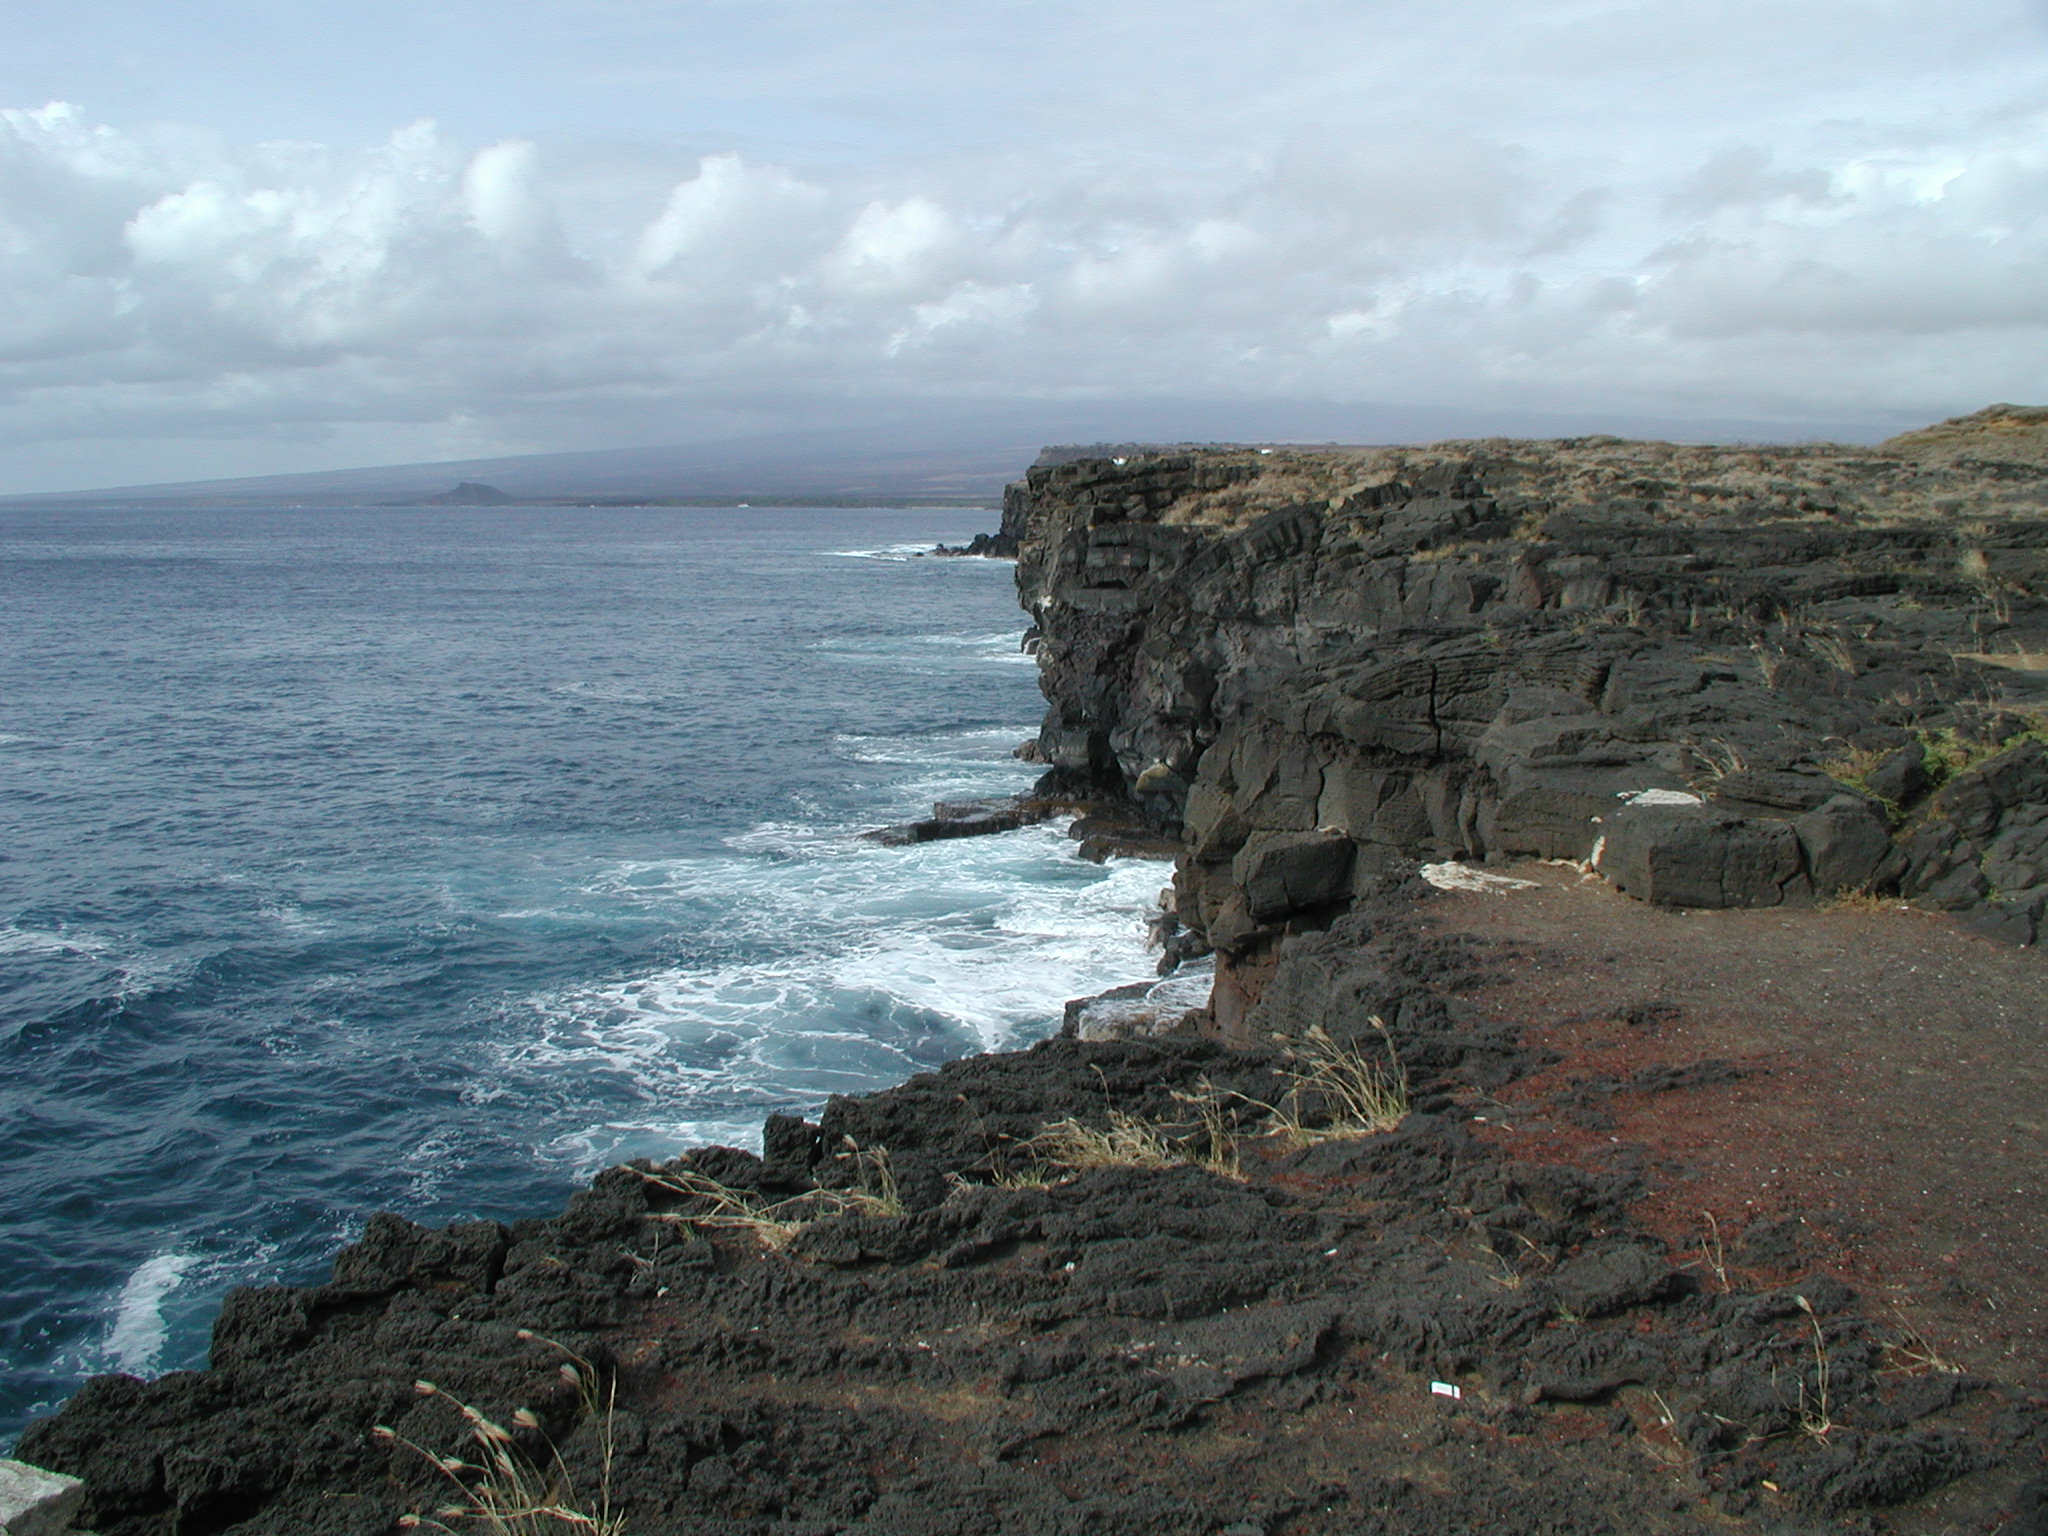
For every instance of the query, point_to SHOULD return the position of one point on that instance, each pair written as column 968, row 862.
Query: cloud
column 502, row 199
column 1744, row 176
column 1501, row 207
column 733, row 220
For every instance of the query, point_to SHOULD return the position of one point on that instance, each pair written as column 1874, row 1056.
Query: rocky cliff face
column 1721, row 676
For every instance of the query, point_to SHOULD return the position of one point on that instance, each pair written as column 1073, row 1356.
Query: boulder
column 1748, row 793
column 1900, row 776
column 1978, row 801
column 1212, row 827
column 1232, row 927
column 1290, row 871
column 1556, row 813
column 395, row 1254
column 1847, row 846
column 1600, row 1281
column 1983, row 851
column 1695, row 856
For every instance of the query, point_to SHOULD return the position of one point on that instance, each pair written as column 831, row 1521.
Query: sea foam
column 852, row 966
column 136, row 1338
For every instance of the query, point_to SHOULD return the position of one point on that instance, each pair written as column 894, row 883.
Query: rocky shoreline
column 1171, row 1278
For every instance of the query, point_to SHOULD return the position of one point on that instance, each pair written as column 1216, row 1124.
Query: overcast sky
column 250, row 236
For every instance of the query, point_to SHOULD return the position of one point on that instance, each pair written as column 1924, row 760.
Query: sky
column 259, row 236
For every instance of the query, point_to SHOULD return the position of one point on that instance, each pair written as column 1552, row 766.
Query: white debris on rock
column 1463, row 877
column 1661, row 797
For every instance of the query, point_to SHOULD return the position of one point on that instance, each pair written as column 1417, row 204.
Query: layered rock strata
column 1719, row 676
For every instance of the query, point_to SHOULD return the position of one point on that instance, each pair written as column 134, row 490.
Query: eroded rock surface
column 1403, row 1332
column 1722, row 676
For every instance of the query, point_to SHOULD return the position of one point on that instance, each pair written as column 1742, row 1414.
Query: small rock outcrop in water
column 987, row 546
column 1721, row 676
column 1000, row 545
column 965, row 818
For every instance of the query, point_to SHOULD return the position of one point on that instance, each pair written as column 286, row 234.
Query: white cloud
column 971, row 310
column 503, row 202
column 1689, row 208
column 893, row 248
column 738, row 220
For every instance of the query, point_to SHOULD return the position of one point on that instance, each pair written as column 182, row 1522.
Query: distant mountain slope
column 962, row 455
column 471, row 494
column 842, row 466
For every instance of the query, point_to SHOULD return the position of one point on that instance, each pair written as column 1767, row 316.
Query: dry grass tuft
column 2012, row 661
column 1713, row 760
column 1340, row 1091
column 1334, row 1092
column 505, row 1493
column 1771, row 663
column 1029, row 1176
column 1215, row 1131
column 1910, row 1354
column 1713, row 1253
column 1860, row 901
column 720, row 1207
column 1853, row 766
column 723, row 1208
column 1206, row 1140
column 1814, row 1417
column 1128, row 1141
column 877, row 1195
column 1505, row 1273
column 1833, row 650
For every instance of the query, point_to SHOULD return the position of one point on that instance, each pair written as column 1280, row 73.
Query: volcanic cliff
column 1723, row 677
column 1420, row 1226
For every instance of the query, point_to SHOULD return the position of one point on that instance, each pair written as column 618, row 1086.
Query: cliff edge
column 1719, row 676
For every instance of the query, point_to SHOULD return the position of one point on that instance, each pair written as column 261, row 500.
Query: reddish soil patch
column 1867, row 1095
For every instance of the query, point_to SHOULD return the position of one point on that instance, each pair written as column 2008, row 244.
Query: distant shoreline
column 756, row 503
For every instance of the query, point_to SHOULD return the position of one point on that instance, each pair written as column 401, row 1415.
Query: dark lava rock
column 1694, row 856
column 1154, row 1349
column 1317, row 668
column 1606, row 1280
column 1481, row 650
column 1292, row 871
column 964, row 818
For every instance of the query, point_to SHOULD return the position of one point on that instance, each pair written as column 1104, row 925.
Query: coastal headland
column 1618, row 1107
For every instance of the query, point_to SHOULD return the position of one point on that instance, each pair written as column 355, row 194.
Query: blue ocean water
column 432, row 860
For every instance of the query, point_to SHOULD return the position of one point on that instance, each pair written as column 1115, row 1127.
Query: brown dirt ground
column 1889, row 1123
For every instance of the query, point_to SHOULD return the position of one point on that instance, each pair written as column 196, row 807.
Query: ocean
column 431, row 860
